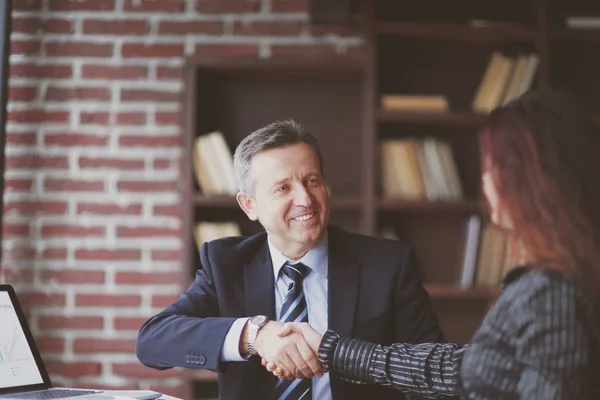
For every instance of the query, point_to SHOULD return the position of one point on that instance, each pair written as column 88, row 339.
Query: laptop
column 22, row 371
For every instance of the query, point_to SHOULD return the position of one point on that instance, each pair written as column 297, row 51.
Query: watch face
column 258, row 320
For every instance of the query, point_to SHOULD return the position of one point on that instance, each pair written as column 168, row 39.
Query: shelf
column 431, row 118
column 333, row 64
column 229, row 202
column 441, row 291
column 465, row 206
column 576, row 34
column 457, row 32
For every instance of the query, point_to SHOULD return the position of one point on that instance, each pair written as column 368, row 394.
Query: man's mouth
column 304, row 217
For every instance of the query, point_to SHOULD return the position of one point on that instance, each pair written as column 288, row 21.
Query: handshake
column 289, row 350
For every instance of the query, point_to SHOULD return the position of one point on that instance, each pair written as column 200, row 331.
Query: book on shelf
column 419, row 169
column 207, row 231
column 409, row 102
column 488, row 254
column 588, row 22
column 213, row 164
column 505, row 78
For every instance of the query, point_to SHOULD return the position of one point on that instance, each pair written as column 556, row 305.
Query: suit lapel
column 343, row 278
column 259, row 292
column 259, row 284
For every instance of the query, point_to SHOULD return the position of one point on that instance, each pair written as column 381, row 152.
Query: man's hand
column 312, row 337
column 291, row 353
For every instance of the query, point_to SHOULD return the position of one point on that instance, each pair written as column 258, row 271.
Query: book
column 493, row 83
column 405, row 102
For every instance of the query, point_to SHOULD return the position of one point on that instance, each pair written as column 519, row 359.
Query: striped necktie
column 294, row 310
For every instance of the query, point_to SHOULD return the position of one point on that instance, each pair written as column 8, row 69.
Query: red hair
column 543, row 153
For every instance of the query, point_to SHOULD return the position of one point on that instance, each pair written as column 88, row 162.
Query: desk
column 167, row 397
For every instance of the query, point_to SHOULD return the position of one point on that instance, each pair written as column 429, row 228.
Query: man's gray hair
column 275, row 135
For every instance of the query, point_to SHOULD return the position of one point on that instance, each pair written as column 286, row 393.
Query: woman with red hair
column 541, row 339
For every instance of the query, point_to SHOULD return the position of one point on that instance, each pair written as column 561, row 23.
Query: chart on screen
column 17, row 365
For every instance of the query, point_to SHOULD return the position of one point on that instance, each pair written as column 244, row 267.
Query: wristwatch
column 254, row 324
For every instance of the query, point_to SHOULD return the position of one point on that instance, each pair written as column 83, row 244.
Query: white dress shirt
column 315, row 292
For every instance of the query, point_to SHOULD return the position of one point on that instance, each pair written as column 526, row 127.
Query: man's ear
column 248, row 205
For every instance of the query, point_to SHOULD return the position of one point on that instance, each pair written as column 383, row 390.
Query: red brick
column 167, row 118
column 36, row 161
column 108, row 255
column 87, row 345
column 268, row 28
column 171, row 210
column 340, row 30
column 166, row 255
column 109, row 209
column 164, row 72
column 227, row 50
column 52, row 230
column 27, row 5
column 145, row 95
column 74, row 370
column 227, row 6
column 137, row 370
column 16, row 274
column 64, row 139
column 81, row 5
column 18, row 184
column 37, row 116
column 303, row 51
column 104, row 386
column 15, row 229
column 128, row 323
column 146, row 232
column 150, row 141
column 289, row 5
column 71, row 323
column 58, row 93
column 26, row 47
column 116, row 27
column 144, row 278
column 131, row 118
column 66, row 276
column 33, row 70
column 161, row 163
column 78, row 49
column 73, row 185
column 146, row 186
column 52, row 345
column 29, row 299
column 30, row 208
column 20, row 252
column 114, row 72
column 107, row 300
column 107, row 162
column 154, row 6
column 22, row 93
column 152, row 50
column 31, row 25
column 21, row 138
column 163, row 300
column 94, row 118
column 190, row 27
column 55, row 254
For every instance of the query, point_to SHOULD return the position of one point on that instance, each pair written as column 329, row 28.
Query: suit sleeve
column 416, row 322
column 189, row 333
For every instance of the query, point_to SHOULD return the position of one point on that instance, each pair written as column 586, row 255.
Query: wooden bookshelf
column 425, row 47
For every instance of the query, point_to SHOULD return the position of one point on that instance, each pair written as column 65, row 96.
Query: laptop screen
column 21, row 367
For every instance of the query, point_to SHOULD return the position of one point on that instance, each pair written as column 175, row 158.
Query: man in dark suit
column 300, row 269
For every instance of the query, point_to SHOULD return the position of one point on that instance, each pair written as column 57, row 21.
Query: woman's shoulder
column 528, row 285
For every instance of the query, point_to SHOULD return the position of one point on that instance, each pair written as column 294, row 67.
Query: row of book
column 488, row 254
column 505, row 78
column 419, row 169
column 213, row 165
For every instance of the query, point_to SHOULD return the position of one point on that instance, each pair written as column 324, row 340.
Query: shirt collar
column 316, row 258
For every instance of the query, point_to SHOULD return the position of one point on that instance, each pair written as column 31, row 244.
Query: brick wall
column 92, row 229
